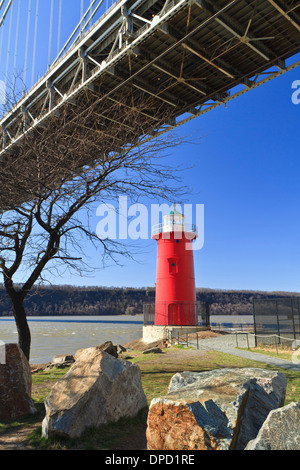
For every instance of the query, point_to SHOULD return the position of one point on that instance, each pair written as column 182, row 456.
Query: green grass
column 156, row 372
column 156, row 375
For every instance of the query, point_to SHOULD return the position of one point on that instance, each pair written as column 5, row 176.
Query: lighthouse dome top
column 175, row 212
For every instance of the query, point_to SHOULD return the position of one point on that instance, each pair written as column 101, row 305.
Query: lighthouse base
column 153, row 333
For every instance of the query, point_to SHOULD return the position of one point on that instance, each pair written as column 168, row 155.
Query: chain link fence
column 276, row 320
column 270, row 340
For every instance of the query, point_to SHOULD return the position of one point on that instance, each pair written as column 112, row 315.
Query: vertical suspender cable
column 90, row 15
column 81, row 15
column 50, row 34
column 16, row 46
column 8, row 46
column 34, row 41
column 1, row 46
column 75, row 30
column 59, row 26
column 90, row 19
column 26, row 45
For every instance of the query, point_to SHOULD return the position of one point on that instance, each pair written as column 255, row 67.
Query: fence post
column 293, row 319
column 254, row 323
column 236, row 340
column 247, row 340
column 278, row 326
column 197, row 341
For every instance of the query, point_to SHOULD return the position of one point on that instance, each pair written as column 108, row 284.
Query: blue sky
column 247, row 176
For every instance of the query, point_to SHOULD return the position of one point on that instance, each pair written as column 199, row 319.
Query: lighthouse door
column 173, row 314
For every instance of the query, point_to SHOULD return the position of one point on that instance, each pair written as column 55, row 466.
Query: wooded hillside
column 70, row 300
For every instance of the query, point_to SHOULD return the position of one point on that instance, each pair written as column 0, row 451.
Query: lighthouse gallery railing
column 174, row 227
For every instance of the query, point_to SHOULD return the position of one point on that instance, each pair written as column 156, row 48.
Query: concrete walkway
column 228, row 344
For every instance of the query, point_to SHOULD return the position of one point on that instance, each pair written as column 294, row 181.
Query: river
column 51, row 336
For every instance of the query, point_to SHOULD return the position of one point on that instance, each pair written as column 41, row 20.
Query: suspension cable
column 1, row 3
column 59, row 26
column 8, row 46
column 1, row 45
column 89, row 20
column 16, row 45
column 75, row 30
column 81, row 9
column 34, row 41
column 26, row 45
column 50, row 33
column 91, row 15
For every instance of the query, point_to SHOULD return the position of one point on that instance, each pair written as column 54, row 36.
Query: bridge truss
column 186, row 55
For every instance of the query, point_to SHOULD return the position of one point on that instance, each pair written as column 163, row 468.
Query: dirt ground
column 16, row 439
column 139, row 345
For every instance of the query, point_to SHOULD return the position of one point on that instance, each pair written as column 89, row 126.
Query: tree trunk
column 22, row 324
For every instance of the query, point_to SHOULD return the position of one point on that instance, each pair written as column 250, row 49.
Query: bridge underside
column 182, row 56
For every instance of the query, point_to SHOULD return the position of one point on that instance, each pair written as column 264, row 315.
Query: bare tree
column 84, row 154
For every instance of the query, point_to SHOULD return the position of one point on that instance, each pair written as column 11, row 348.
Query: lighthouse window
column 173, row 266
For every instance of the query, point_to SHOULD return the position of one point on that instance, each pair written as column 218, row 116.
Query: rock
column 106, row 347
column 296, row 344
column 38, row 369
column 109, row 348
column 280, row 431
column 152, row 350
column 97, row 389
column 120, row 349
column 220, row 409
column 63, row 359
column 15, row 385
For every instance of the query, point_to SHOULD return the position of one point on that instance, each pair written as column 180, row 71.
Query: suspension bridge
column 189, row 56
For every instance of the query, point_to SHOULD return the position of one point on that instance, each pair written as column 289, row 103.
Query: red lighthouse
column 175, row 297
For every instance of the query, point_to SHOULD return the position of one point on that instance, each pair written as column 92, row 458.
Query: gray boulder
column 120, row 349
column 152, row 350
column 60, row 361
column 97, row 389
column 217, row 410
column 280, row 431
column 15, row 384
column 63, row 359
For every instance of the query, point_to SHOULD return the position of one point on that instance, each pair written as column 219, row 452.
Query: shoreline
column 45, row 319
